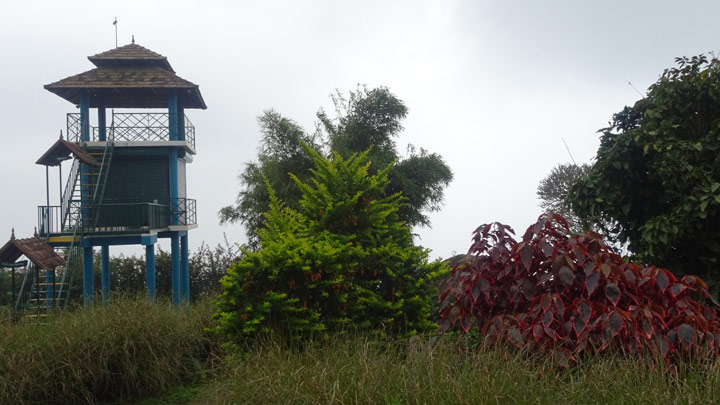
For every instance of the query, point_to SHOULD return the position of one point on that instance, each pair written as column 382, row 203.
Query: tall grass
column 128, row 349
column 363, row 371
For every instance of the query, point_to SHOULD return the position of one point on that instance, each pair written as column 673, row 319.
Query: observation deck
column 135, row 129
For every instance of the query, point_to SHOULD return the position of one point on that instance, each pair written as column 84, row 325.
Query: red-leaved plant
column 571, row 295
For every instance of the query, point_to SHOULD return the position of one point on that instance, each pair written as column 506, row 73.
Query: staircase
column 89, row 188
column 43, row 292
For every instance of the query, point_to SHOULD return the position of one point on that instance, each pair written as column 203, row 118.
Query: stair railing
column 68, row 193
column 70, row 264
column 101, row 181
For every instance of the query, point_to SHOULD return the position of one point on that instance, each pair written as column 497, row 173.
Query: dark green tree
column 367, row 119
column 554, row 192
column 344, row 260
column 656, row 179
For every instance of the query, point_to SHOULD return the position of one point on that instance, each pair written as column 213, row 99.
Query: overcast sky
column 492, row 86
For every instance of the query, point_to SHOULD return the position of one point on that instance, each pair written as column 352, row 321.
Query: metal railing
column 49, row 219
column 69, row 191
column 105, row 218
column 133, row 127
column 184, row 212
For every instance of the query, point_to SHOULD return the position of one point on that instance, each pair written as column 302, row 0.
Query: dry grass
column 127, row 350
column 362, row 371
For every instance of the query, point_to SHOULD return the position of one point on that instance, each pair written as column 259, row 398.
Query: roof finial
column 35, row 234
column 61, row 134
column 133, row 38
column 12, row 234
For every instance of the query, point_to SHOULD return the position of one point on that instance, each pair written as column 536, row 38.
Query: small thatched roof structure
column 35, row 249
column 61, row 150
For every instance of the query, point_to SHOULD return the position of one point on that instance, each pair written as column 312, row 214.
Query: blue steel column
column 85, row 116
column 173, row 172
column 150, row 271
column 105, row 273
column 185, row 267
column 102, row 130
column 181, row 121
column 86, row 198
column 50, row 288
column 176, row 276
column 88, row 280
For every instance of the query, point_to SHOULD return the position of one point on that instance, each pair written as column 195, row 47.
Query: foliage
column 344, row 260
column 366, row 118
column 6, row 286
column 569, row 295
column 280, row 153
column 207, row 267
column 125, row 350
column 554, row 192
column 656, row 178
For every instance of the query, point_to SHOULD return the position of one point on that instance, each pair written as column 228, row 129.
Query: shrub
column 572, row 294
column 343, row 261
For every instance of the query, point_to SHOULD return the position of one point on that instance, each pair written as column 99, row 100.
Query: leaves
column 686, row 334
column 366, row 119
column 676, row 289
column 545, row 307
column 612, row 292
column 662, row 280
column 591, row 282
column 615, row 322
column 567, row 276
column 343, row 258
column 655, row 179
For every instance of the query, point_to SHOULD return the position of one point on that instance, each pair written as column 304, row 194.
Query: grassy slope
column 126, row 350
column 132, row 350
column 358, row 371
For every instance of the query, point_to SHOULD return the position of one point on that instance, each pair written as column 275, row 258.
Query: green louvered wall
column 138, row 179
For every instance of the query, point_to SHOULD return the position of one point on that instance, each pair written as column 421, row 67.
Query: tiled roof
column 130, row 55
column 62, row 148
column 125, row 87
column 37, row 251
column 147, row 77
column 129, row 77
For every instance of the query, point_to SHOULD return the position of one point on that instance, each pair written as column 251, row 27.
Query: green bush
column 343, row 261
column 128, row 349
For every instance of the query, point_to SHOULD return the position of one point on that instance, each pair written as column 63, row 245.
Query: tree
column 554, row 192
column 344, row 260
column 279, row 154
column 656, row 179
column 367, row 119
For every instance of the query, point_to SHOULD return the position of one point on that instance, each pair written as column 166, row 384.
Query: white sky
column 491, row 86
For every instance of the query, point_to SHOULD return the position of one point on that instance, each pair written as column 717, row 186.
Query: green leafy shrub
column 342, row 261
column 570, row 295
